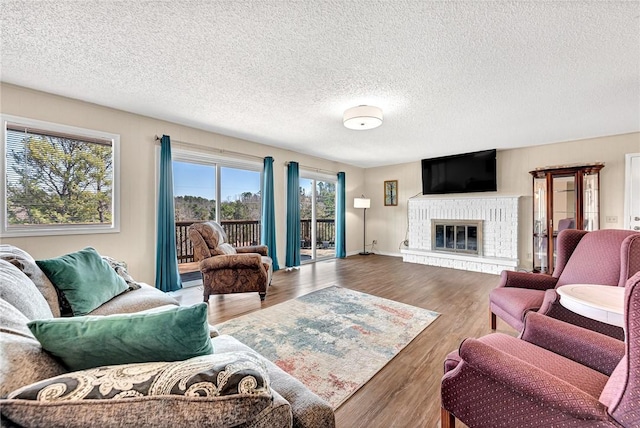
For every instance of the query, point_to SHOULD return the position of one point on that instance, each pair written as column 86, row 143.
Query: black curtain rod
column 215, row 149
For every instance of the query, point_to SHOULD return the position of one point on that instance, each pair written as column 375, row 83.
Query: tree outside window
column 57, row 181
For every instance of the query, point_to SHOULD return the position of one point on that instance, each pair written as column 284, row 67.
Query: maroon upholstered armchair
column 607, row 257
column 556, row 374
column 227, row 269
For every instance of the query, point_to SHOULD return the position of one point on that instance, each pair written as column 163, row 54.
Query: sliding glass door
column 317, row 218
column 208, row 188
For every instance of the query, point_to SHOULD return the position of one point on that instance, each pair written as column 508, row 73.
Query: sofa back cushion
column 19, row 291
column 147, row 297
column 23, row 261
column 22, row 359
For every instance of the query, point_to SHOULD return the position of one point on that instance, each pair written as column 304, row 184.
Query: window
column 58, row 179
column 206, row 187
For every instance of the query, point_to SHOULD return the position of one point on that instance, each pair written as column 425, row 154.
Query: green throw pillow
column 86, row 280
column 175, row 334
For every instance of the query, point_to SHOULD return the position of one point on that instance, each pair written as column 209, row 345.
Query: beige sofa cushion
column 23, row 261
column 22, row 359
column 218, row 390
column 147, row 297
column 18, row 290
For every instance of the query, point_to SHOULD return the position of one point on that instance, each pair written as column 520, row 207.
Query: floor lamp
column 363, row 203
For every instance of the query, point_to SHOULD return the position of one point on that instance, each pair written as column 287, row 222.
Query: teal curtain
column 167, row 275
column 268, row 230
column 293, row 215
column 341, row 225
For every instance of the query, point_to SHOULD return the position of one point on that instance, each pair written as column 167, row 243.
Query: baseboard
column 380, row 253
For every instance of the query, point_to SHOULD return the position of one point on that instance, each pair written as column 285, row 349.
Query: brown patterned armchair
column 227, row 269
column 607, row 257
column 555, row 375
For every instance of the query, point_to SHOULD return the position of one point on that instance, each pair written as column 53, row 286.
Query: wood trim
column 447, row 420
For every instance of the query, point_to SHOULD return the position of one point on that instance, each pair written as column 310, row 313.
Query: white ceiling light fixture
column 362, row 117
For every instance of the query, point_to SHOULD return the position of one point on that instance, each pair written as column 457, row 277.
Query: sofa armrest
column 232, row 261
column 589, row 348
column 263, row 250
column 534, row 281
column 519, row 376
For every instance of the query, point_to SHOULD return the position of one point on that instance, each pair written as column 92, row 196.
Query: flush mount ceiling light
column 362, row 117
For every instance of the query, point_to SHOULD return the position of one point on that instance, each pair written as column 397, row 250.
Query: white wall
column 136, row 241
column 388, row 225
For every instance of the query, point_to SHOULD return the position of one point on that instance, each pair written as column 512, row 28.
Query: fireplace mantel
column 499, row 216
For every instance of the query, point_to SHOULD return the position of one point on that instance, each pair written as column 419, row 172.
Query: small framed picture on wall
column 390, row 193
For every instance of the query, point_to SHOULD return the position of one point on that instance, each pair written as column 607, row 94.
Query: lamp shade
column 362, row 117
column 361, row 203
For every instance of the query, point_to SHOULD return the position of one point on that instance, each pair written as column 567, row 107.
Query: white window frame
column 61, row 229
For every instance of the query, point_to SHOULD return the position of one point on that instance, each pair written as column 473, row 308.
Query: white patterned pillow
column 225, row 389
column 226, row 249
column 121, row 270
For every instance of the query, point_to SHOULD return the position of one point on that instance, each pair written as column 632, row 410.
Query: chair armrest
column 630, row 264
column 530, row 381
column 534, row 281
column 589, row 348
column 263, row 250
column 232, row 261
column 551, row 297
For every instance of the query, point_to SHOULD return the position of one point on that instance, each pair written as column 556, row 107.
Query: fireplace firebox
column 457, row 236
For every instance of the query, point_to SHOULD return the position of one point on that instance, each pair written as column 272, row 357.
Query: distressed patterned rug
column 333, row 340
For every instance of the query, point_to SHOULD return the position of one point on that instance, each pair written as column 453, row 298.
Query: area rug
column 333, row 340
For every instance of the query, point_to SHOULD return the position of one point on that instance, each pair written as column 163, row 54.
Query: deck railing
column 325, row 232
column 241, row 233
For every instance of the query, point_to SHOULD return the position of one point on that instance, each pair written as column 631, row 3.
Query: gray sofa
column 26, row 294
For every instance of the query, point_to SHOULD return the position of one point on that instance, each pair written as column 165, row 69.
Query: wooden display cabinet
column 564, row 197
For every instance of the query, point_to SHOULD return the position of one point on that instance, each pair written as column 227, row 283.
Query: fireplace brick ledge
column 493, row 265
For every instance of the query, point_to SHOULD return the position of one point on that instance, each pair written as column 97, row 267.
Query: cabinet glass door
column 540, row 263
column 564, row 206
column 590, row 202
column 564, row 203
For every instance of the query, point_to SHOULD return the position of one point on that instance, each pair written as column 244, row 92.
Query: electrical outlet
column 611, row 219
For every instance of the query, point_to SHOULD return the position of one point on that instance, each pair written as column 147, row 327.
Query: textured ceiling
column 449, row 76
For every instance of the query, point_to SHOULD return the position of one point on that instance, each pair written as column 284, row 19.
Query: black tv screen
column 464, row 173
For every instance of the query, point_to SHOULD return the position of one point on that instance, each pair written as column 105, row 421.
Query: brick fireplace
column 469, row 233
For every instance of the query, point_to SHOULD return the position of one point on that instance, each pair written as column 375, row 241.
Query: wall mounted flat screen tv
column 464, row 173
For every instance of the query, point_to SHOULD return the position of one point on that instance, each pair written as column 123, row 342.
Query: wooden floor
column 406, row 392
